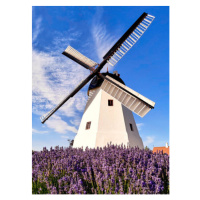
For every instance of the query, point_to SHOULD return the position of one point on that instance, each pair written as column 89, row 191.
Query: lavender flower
column 108, row 170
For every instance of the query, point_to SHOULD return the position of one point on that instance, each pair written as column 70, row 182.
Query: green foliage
column 146, row 148
column 39, row 188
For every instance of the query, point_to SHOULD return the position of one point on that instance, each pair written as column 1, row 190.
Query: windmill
column 108, row 113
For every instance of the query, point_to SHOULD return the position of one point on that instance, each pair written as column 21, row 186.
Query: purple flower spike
column 108, row 170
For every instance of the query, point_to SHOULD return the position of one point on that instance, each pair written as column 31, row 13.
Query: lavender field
column 108, row 170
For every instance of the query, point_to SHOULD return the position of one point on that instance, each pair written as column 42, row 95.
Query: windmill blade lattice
column 79, row 58
column 131, row 99
column 127, row 41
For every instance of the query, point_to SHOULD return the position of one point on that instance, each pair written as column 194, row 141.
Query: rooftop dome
column 96, row 81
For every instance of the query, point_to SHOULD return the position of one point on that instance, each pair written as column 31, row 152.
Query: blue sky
column 93, row 31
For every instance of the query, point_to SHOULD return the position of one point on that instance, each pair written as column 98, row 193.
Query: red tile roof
column 161, row 150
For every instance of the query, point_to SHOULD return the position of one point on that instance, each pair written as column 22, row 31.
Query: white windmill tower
column 108, row 113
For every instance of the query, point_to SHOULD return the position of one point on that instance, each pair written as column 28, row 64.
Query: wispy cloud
column 103, row 40
column 53, row 78
column 149, row 140
column 60, row 126
column 40, row 132
column 37, row 29
column 51, row 85
column 65, row 136
column 139, row 126
column 62, row 40
column 76, row 121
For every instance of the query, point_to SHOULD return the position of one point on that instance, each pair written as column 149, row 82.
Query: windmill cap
column 96, row 81
column 116, row 73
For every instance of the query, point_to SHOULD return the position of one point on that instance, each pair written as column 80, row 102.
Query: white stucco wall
column 133, row 136
column 108, row 123
column 87, row 137
column 111, row 123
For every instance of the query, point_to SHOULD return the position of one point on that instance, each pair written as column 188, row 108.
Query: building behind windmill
column 163, row 149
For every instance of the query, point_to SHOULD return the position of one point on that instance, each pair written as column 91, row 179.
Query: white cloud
column 37, row 29
column 60, row 126
column 102, row 39
column 75, row 122
column 149, row 140
column 40, row 132
column 53, row 78
column 139, row 126
column 65, row 137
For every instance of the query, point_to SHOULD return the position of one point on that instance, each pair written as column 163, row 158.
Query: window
column 131, row 127
column 110, row 102
column 88, row 125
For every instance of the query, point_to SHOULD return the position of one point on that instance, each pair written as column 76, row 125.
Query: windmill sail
column 50, row 113
column 79, row 58
column 128, row 97
column 132, row 35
